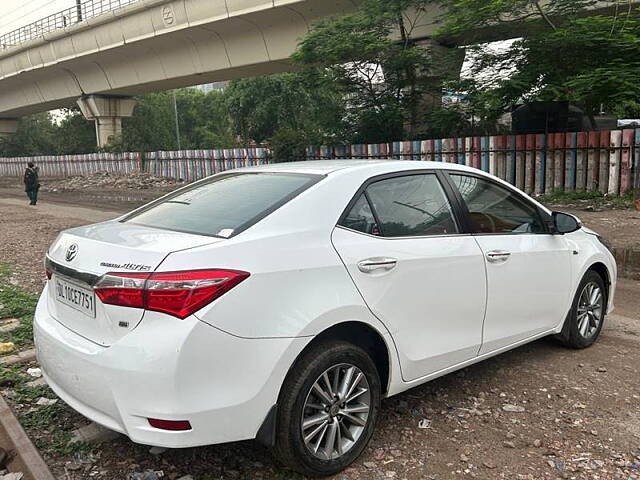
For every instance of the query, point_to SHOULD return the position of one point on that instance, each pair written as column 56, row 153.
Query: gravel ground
column 581, row 415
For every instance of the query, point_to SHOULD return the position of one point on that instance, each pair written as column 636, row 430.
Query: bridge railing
column 59, row 20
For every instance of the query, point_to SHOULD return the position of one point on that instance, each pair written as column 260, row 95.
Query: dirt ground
column 582, row 408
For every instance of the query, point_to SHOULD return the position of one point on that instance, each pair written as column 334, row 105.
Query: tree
column 35, row 136
column 204, row 120
column 261, row 106
column 74, row 134
column 152, row 126
column 593, row 61
column 389, row 79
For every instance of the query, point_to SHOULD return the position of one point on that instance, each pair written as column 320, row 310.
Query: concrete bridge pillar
column 8, row 126
column 107, row 113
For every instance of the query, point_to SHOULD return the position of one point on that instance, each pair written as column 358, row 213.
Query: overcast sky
column 17, row 13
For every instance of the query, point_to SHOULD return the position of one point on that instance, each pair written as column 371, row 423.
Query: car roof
column 369, row 168
column 326, row 167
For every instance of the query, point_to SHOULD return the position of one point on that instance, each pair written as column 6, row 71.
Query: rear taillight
column 48, row 273
column 123, row 289
column 175, row 293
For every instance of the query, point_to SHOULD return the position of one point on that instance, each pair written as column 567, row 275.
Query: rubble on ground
column 129, row 181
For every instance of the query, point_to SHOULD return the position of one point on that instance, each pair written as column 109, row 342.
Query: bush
column 289, row 145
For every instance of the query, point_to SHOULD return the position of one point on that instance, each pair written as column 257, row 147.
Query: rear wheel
column 586, row 318
column 328, row 409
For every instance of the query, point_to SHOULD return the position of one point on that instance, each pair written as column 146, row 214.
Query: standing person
column 31, row 183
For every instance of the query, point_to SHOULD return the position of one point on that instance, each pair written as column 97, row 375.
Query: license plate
column 78, row 298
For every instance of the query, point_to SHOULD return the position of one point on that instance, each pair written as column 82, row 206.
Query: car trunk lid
column 78, row 259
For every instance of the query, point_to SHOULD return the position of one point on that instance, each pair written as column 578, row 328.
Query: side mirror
column 565, row 223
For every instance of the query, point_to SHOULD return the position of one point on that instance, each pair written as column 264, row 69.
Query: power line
column 30, row 12
column 18, row 8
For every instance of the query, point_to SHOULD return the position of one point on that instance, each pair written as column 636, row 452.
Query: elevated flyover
column 100, row 56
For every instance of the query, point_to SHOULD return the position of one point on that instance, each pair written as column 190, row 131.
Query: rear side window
column 226, row 205
column 409, row 206
column 495, row 209
column 360, row 218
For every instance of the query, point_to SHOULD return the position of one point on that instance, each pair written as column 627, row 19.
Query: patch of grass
column 16, row 303
column 11, row 376
column 52, row 438
column 596, row 199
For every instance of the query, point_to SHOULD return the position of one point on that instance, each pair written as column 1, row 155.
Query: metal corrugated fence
column 193, row 165
column 605, row 161
column 189, row 165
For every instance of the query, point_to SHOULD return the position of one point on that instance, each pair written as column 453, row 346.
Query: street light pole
column 175, row 111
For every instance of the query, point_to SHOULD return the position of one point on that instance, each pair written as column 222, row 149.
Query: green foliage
column 152, row 126
column 16, row 303
column 36, row 135
column 259, row 107
column 74, row 134
column 288, row 145
column 384, row 78
column 53, row 437
column 561, row 56
column 595, row 199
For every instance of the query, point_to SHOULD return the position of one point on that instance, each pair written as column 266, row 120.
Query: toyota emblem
column 72, row 251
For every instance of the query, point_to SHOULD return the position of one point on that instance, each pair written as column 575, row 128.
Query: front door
column 528, row 268
column 424, row 280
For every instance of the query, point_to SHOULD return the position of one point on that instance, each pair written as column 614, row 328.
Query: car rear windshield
column 225, row 205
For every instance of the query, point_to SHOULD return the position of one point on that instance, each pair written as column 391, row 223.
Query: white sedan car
column 281, row 303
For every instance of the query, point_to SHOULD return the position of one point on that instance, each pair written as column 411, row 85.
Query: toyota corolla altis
column 282, row 303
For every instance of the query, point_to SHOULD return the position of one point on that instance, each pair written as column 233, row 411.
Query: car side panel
column 589, row 252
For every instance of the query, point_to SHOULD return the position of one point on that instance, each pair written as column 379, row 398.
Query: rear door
column 528, row 268
column 401, row 243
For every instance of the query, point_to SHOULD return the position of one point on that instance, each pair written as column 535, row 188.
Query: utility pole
column 175, row 111
column 79, row 9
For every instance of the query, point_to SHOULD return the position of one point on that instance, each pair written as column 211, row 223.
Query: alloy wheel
column 336, row 411
column 590, row 309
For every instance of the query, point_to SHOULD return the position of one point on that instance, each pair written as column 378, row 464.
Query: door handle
column 498, row 256
column 377, row 264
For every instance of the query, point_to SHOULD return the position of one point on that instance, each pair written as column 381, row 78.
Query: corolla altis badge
column 127, row 266
column 72, row 251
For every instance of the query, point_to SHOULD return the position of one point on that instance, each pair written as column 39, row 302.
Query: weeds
column 595, row 199
column 52, row 436
column 16, row 303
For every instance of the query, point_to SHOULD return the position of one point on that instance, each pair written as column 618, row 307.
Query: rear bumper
column 167, row 369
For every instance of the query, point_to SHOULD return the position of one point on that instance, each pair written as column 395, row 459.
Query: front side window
column 225, row 205
column 409, row 206
column 495, row 209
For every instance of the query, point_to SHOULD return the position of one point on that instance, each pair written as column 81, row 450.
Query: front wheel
column 328, row 409
column 586, row 318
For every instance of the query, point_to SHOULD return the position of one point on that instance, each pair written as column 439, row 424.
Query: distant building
column 210, row 87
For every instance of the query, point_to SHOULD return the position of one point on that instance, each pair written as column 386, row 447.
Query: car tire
column 327, row 449
column 587, row 315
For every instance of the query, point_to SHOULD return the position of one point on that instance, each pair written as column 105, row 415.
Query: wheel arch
column 359, row 333
column 602, row 270
column 364, row 336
